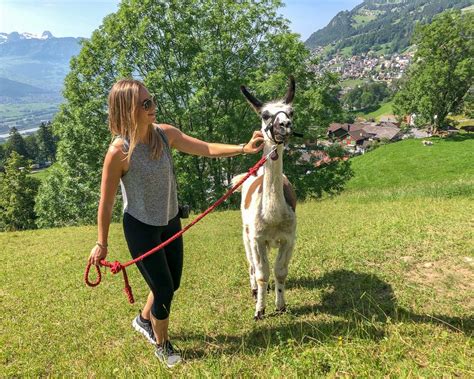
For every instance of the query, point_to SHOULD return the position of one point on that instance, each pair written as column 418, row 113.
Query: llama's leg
column 262, row 274
column 248, row 252
column 281, row 271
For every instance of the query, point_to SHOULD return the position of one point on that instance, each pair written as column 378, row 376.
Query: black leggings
column 161, row 270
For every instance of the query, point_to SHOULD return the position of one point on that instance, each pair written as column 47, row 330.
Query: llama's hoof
column 259, row 315
column 281, row 310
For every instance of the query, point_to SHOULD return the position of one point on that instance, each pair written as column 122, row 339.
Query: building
column 357, row 137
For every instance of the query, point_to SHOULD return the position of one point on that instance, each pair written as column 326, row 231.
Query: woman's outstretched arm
column 194, row 146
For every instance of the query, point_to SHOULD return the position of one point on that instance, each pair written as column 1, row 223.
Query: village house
column 318, row 157
column 357, row 137
column 390, row 119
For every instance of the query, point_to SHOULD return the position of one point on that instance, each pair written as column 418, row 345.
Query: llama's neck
column 273, row 200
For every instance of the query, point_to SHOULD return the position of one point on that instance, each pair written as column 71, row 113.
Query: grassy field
column 462, row 120
column 362, row 19
column 352, row 83
column 380, row 285
column 25, row 116
column 41, row 174
column 384, row 109
column 410, row 169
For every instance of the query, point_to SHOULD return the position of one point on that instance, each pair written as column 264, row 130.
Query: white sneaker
column 167, row 354
column 144, row 328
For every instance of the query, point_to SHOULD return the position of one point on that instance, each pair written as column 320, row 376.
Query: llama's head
column 276, row 115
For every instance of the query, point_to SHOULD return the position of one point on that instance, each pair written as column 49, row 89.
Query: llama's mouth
column 282, row 138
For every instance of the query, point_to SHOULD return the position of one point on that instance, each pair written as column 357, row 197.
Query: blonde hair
column 124, row 105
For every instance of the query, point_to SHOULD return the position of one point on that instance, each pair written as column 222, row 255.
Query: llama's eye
column 266, row 116
column 290, row 114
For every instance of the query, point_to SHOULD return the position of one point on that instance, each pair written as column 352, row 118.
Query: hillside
column 380, row 285
column 379, row 23
column 410, row 169
column 17, row 89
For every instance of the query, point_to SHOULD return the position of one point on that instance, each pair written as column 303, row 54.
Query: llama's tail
column 237, row 179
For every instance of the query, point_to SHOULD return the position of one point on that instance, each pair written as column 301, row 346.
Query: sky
column 79, row 18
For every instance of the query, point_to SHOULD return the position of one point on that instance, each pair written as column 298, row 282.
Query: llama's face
column 276, row 116
column 277, row 122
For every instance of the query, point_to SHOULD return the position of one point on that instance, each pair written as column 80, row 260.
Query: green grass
column 384, row 109
column 41, row 174
column 461, row 119
column 352, row 83
column 362, row 19
column 25, row 116
column 17, row 110
column 380, row 285
column 408, row 168
column 346, row 52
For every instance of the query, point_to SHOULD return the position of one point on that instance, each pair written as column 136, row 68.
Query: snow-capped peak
column 45, row 35
column 3, row 38
column 15, row 36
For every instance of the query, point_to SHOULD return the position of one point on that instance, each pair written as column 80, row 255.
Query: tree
column 15, row 143
column 46, row 143
column 443, row 69
column 17, row 194
column 194, row 55
column 368, row 95
column 32, row 148
column 2, row 157
column 469, row 103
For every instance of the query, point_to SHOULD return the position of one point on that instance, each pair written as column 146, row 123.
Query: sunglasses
column 148, row 103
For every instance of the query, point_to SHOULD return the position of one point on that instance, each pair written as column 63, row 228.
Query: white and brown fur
column 268, row 207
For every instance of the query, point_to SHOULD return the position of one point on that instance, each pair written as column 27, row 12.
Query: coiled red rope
column 116, row 267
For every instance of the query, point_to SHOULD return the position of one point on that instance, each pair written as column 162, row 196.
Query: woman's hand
column 255, row 144
column 97, row 253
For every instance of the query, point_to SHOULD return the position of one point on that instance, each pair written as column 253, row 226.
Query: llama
column 268, row 204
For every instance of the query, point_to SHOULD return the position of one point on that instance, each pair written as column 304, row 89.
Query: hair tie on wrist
column 101, row 245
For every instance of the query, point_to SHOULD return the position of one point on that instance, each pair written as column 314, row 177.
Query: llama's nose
column 285, row 123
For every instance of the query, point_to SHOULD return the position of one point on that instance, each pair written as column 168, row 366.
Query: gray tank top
column 149, row 186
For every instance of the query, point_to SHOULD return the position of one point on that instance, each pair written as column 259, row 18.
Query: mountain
column 44, row 48
column 40, row 61
column 16, row 89
column 379, row 25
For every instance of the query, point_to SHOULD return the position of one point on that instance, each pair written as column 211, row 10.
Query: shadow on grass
column 363, row 296
column 362, row 303
column 459, row 137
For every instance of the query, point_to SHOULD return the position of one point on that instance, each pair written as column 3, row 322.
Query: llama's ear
column 290, row 94
column 253, row 101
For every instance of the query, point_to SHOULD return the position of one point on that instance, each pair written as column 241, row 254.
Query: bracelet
column 102, row 246
column 242, row 145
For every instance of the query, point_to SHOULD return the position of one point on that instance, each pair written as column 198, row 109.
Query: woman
column 139, row 159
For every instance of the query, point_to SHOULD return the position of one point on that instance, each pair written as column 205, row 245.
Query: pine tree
column 46, row 143
column 15, row 143
column 17, row 195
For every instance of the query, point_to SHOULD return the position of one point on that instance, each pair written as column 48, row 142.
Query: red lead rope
column 116, row 267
